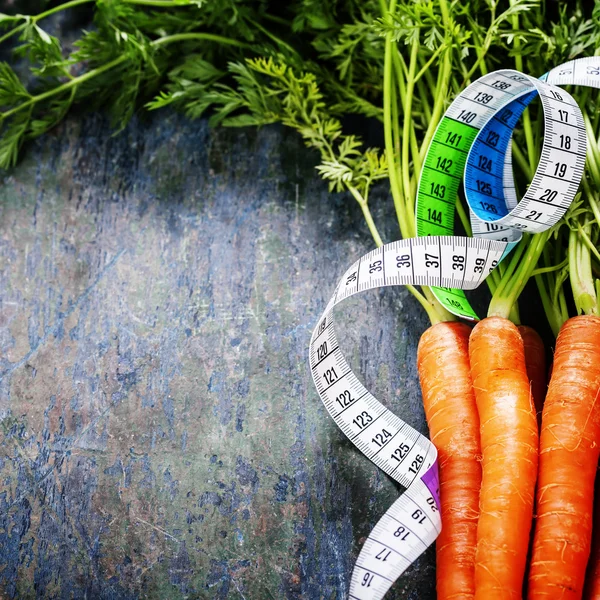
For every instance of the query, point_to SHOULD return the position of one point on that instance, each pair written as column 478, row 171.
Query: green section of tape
column 436, row 198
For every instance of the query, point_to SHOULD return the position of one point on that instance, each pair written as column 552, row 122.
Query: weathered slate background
column 161, row 436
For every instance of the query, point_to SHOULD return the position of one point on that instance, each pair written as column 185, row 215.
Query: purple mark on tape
column 432, row 481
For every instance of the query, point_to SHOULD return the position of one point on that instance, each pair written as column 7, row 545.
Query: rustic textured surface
column 160, row 434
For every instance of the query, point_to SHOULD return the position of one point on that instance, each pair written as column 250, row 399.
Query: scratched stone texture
column 160, row 433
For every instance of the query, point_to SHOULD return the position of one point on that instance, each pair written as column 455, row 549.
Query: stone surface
column 161, row 436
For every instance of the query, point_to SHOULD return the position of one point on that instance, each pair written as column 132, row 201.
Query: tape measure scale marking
column 396, row 538
column 561, row 167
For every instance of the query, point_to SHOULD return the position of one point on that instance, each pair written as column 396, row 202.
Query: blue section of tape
column 509, row 248
column 484, row 172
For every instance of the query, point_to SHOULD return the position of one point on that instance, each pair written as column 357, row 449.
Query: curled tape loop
column 473, row 140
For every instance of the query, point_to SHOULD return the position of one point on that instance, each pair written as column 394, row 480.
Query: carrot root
column 443, row 363
column 509, row 445
column 569, row 448
column 591, row 590
column 535, row 363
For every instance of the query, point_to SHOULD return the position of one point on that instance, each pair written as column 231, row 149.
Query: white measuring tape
column 474, row 139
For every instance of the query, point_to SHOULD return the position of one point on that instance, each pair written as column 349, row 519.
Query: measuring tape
column 474, row 138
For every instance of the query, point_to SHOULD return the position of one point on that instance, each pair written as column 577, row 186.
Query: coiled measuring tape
column 473, row 138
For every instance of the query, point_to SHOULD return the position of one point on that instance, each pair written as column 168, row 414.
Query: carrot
column 592, row 578
column 444, row 372
column 509, row 445
column 569, row 447
column 535, row 362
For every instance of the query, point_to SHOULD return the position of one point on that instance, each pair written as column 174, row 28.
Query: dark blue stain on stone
column 127, row 380
column 216, row 382
column 239, row 417
column 281, row 488
column 149, row 478
column 184, row 438
column 219, row 580
column 243, row 387
column 13, row 529
column 209, row 499
column 169, row 412
column 116, row 469
column 181, row 570
column 246, row 474
column 171, row 484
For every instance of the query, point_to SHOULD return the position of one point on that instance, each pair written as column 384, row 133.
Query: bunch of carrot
column 517, row 455
column 480, row 390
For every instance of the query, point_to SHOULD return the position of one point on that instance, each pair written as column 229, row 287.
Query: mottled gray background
column 161, row 436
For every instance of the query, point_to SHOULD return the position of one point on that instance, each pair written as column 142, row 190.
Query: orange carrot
column 535, row 362
column 592, row 578
column 443, row 362
column 569, row 447
column 509, row 446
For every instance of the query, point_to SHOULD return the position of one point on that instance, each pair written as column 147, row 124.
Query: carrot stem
column 593, row 154
column 367, row 215
column 405, row 161
column 395, row 183
column 510, row 269
column 400, row 145
column 550, row 269
column 520, row 159
column 581, row 277
column 552, row 311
